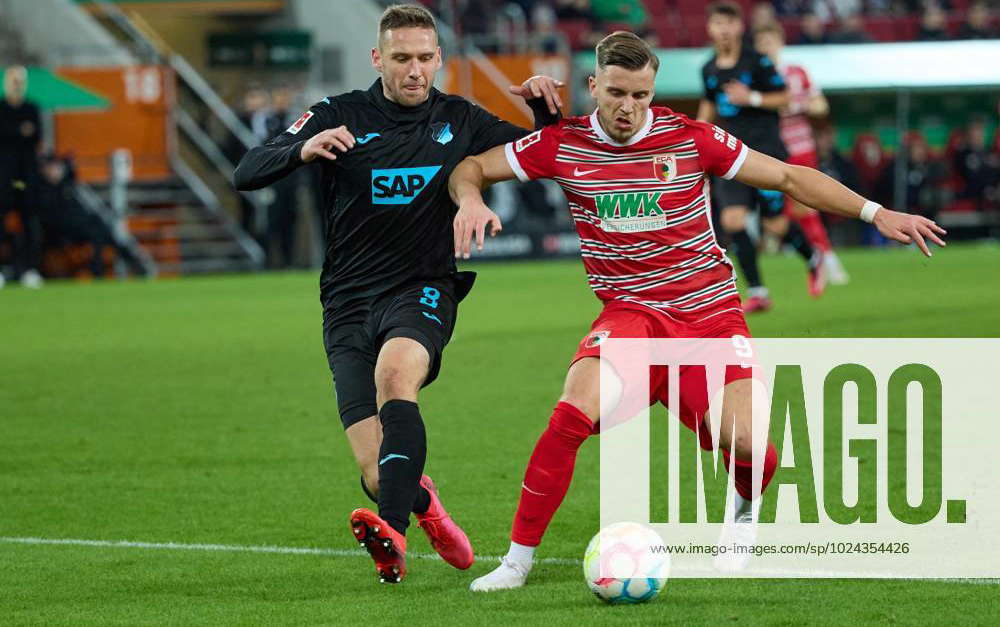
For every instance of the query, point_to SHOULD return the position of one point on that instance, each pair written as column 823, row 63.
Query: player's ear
column 440, row 58
column 376, row 59
column 592, row 85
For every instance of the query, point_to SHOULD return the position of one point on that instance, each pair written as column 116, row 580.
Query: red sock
column 549, row 473
column 744, row 472
column 812, row 226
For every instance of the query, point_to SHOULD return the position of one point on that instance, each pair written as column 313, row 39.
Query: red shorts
column 627, row 320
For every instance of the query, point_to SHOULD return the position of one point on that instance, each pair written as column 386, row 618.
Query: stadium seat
column 882, row 28
column 907, row 27
column 793, row 28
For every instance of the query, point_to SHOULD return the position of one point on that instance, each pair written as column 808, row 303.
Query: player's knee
column 396, row 382
column 777, row 226
column 588, row 404
column 733, row 219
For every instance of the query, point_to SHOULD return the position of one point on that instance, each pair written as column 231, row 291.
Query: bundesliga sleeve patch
column 526, row 141
column 297, row 126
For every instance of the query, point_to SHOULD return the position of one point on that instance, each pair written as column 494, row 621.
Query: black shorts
column 728, row 192
column 423, row 310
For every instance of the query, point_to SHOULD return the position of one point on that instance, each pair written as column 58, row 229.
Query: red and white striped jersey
column 796, row 131
column 642, row 208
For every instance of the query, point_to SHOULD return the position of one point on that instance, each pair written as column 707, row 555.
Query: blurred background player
column 742, row 94
column 805, row 101
column 20, row 143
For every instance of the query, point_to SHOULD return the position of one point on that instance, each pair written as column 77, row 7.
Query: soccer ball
column 633, row 571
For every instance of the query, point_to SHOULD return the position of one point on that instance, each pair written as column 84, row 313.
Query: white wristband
column 868, row 210
column 756, row 99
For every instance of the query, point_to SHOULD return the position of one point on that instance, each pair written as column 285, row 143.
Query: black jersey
column 389, row 212
column 20, row 134
column 756, row 126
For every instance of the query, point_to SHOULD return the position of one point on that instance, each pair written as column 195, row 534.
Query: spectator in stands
column 283, row 212
column 837, row 10
column 581, row 10
column 879, row 7
column 543, row 24
column 254, row 112
column 914, row 7
column 933, row 24
column 813, row 31
column 478, row 19
column 20, row 142
column 834, row 164
column 977, row 23
column 923, row 175
column 575, row 10
column 852, row 31
column 976, row 164
column 838, row 167
column 793, row 8
column 66, row 221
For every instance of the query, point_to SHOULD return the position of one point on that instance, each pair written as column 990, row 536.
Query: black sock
column 421, row 505
column 746, row 255
column 796, row 238
column 401, row 461
column 422, row 502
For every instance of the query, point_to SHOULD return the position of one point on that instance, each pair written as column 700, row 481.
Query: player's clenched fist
column 472, row 219
column 908, row 228
column 321, row 144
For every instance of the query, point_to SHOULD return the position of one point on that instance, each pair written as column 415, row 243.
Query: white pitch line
column 239, row 548
column 292, row 550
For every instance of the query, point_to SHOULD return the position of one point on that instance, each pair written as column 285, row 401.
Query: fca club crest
column 665, row 167
column 596, row 338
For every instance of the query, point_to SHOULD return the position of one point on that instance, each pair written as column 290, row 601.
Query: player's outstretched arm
column 465, row 185
column 812, row 188
column 263, row 165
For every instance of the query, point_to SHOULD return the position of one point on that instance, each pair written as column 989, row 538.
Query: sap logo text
column 399, row 186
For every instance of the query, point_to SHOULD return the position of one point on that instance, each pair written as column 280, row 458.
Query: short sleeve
column 319, row 117
column 534, row 156
column 488, row 130
column 766, row 76
column 721, row 153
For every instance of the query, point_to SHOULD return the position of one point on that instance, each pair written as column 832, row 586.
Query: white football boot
column 739, row 536
column 835, row 272
column 508, row 575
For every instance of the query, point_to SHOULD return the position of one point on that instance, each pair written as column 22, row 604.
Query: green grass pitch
column 200, row 411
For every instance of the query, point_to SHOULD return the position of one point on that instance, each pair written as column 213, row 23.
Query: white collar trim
column 638, row 137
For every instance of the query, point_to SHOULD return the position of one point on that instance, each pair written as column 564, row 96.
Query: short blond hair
column 405, row 16
column 626, row 50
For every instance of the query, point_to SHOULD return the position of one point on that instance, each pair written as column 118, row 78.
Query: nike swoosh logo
column 367, row 138
column 579, row 172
